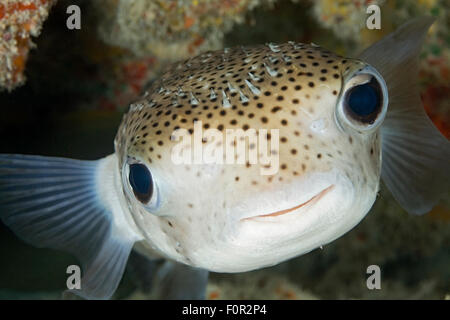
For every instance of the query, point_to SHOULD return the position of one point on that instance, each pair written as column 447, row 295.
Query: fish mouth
column 314, row 199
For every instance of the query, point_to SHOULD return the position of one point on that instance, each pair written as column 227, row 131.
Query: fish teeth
column 225, row 100
column 252, row 88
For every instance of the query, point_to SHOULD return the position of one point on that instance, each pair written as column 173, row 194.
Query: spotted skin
column 291, row 87
column 327, row 117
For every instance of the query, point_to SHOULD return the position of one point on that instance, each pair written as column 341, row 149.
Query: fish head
column 242, row 158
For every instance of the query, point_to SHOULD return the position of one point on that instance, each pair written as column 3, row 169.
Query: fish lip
column 308, row 203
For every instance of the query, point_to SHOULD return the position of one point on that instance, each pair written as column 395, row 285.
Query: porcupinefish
column 334, row 125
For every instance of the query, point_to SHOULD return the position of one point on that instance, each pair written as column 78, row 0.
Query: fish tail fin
column 168, row 280
column 56, row 203
column 416, row 156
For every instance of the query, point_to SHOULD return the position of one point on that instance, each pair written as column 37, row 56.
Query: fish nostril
column 319, row 125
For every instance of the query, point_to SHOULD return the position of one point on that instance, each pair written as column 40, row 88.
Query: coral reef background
column 79, row 82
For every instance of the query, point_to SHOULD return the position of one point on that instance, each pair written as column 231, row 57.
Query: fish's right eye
column 141, row 182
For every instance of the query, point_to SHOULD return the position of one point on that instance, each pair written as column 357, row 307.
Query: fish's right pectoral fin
column 415, row 155
column 54, row 203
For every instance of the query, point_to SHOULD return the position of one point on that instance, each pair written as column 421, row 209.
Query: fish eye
column 141, row 182
column 364, row 102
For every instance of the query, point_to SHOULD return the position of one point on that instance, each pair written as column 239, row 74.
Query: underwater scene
column 224, row 149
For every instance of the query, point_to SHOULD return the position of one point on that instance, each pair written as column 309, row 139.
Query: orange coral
column 19, row 20
column 432, row 98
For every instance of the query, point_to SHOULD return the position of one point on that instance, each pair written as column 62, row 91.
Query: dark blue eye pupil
column 141, row 182
column 364, row 101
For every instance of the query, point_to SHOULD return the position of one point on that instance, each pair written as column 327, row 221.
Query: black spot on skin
column 275, row 109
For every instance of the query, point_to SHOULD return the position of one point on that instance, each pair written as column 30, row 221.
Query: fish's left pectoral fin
column 415, row 155
column 416, row 162
column 54, row 203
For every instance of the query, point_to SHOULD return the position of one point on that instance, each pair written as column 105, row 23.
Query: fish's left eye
column 363, row 102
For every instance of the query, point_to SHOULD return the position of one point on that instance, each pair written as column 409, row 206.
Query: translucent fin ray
column 416, row 157
column 55, row 203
